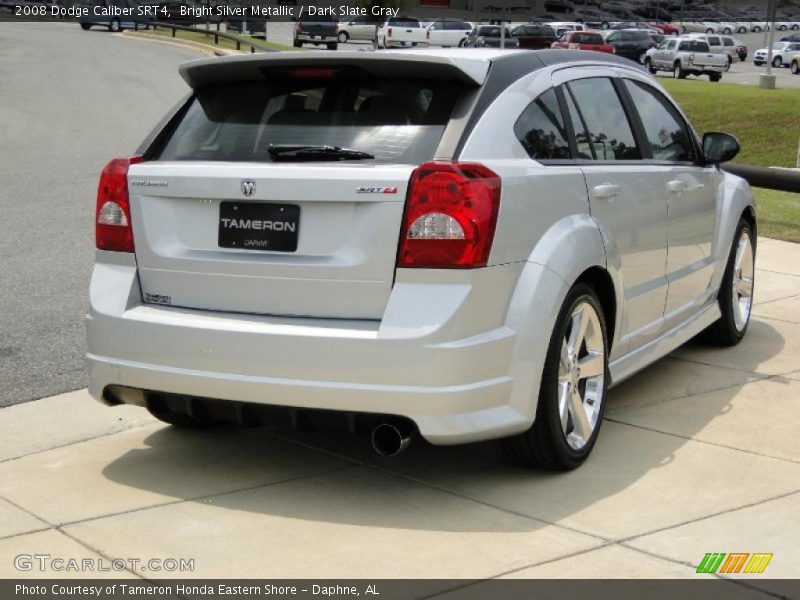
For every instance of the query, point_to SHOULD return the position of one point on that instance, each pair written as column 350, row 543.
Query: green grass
column 223, row 43
column 767, row 123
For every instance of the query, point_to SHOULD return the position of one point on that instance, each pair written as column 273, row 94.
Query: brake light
column 389, row 32
column 113, row 212
column 450, row 216
column 299, row 26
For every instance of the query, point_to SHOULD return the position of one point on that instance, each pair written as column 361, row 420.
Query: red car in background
column 583, row 40
column 664, row 27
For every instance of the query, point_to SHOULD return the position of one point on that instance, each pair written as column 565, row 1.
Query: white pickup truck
column 686, row 56
column 402, row 32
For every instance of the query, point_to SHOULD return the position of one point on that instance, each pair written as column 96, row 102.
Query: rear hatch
column 230, row 213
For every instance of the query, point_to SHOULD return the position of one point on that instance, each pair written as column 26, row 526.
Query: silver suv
column 461, row 246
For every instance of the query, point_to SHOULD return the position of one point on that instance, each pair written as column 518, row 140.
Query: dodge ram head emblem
column 248, row 187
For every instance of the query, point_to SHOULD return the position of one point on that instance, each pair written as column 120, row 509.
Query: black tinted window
column 540, row 129
column 396, row 120
column 666, row 132
column 609, row 132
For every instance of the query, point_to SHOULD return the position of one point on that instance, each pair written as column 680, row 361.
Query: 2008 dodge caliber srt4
column 460, row 245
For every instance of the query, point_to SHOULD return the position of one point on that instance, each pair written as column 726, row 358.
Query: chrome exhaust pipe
column 390, row 439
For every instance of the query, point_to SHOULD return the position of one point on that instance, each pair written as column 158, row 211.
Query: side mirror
column 719, row 147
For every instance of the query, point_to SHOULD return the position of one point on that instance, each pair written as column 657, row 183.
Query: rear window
column 587, row 38
column 396, row 120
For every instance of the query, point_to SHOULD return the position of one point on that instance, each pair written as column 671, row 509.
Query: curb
column 206, row 48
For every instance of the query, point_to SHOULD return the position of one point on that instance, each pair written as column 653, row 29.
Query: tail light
column 113, row 213
column 450, row 216
column 427, row 35
column 389, row 32
column 299, row 26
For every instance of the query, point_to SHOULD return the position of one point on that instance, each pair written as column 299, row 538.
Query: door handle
column 676, row 186
column 606, row 191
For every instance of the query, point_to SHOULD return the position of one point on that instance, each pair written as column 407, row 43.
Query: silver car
column 460, row 245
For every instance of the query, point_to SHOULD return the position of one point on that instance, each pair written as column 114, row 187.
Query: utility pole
column 767, row 80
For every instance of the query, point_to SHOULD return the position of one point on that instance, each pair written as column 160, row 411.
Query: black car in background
column 317, row 30
column 115, row 23
column 631, row 43
column 534, row 36
column 489, row 36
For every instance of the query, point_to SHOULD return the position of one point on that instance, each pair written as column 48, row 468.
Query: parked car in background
column 378, row 250
column 781, row 51
column 491, row 36
column 534, row 36
column 402, row 32
column 794, row 63
column 317, row 30
column 583, row 40
column 741, row 49
column 595, row 19
column 722, row 44
column 630, row 43
column 664, row 27
column 795, row 37
column 559, row 6
column 360, row 29
column 448, row 32
column 686, row 56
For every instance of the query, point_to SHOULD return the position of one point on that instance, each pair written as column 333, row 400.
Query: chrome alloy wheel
column 742, row 286
column 581, row 375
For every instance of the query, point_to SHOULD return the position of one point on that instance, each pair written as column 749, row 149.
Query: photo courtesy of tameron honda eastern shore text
column 458, row 245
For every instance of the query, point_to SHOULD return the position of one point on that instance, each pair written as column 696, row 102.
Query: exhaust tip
column 390, row 440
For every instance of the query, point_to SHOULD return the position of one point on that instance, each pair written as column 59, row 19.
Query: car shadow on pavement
column 337, row 478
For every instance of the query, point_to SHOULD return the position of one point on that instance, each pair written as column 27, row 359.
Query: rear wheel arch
column 749, row 215
column 601, row 282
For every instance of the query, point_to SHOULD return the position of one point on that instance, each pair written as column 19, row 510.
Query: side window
column 713, row 41
column 666, row 131
column 727, row 42
column 671, row 45
column 540, row 129
column 685, row 46
column 610, row 134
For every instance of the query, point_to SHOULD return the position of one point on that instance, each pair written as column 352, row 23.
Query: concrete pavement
column 698, row 454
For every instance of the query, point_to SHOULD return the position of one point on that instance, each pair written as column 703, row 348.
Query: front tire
column 678, row 72
column 714, row 77
column 572, row 391
column 333, row 46
column 343, row 37
column 649, row 64
column 795, row 68
column 114, row 26
column 777, row 62
column 736, row 292
column 86, row 26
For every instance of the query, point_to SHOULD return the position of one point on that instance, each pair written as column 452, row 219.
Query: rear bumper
column 317, row 38
column 442, row 356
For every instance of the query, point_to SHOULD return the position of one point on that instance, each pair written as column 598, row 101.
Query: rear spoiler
column 406, row 64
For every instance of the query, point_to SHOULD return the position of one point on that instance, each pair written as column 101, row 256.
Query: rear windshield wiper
column 305, row 152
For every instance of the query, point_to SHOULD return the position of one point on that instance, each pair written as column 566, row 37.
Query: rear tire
column 728, row 64
column 333, row 46
column 649, row 64
column 342, row 37
column 86, row 26
column 297, row 44
column 714, row 77
column 678, row 72
column 777, row 62
column 739, row 278
column 570, row 409
column 114, row 26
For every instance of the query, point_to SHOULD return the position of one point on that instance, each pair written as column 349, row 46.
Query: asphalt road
column 69, row 101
